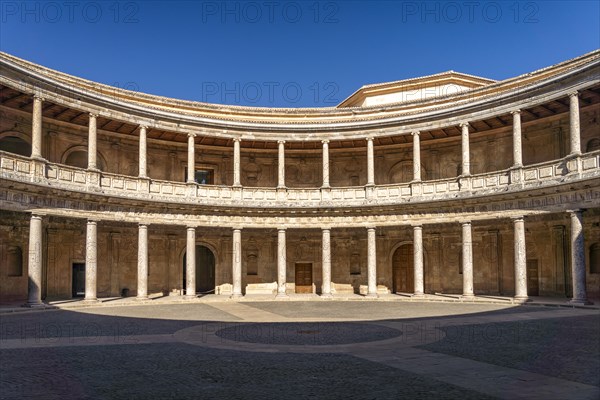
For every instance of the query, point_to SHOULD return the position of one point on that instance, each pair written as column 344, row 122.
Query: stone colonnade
column 574, row 134
column 520, row 256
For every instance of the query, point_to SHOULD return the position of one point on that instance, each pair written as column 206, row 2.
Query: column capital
column 371, row 228
column 36, row 216
column 574, row 94
column 326, row 228
column 237, row 140
column 191, row 134
column 93, row 115
column 518, row 218
column 92, row 222
column 144, row 127
column 463, row 124
column 417, row 227
column 464, row 223
column 369, row 138
column 143, row 225
column 325, row 141
column 191, row 228
column 38, row 97
column 415, row 133
column 281, row 142
column 281, row 229
column 237, row 229
column 576, row 211
column 517, row 111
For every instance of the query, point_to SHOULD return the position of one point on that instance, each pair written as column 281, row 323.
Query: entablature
column 302, row 125
column 67, row 182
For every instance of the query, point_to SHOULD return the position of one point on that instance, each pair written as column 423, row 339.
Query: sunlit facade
column 444, row 184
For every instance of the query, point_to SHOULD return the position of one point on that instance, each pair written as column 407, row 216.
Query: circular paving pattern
column 307, row 333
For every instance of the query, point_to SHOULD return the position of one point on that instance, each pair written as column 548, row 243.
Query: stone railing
column 23, row 169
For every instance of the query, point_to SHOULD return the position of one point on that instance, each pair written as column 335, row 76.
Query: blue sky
column 292, row 53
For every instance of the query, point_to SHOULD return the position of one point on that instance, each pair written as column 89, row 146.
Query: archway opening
column 15, row 145
column 403, row 269
column 205, row 270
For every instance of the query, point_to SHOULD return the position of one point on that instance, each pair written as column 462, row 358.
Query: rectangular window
column 204, row 177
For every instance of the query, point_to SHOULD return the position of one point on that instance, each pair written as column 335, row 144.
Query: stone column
column 143, row 152
column 467, row 259
column 91, row 261
column 574, row 131
column 92, row 143
column 36, row 128
column 578, row 258
column 281, row 164
column 142, row 289
column 190, row 263
column 370, row 162
column 371, row 263
column 191, row 161
column 416, row 156
column 466, row 163
column 517, row 147
column 326, row 263
column 237, row 263
column 34, row 269
column 281, row 263
column 236, row 162
column 418, row 259
column 325, row 163
column 520, row 259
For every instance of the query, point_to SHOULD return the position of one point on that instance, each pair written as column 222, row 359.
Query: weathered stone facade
column 482, row 192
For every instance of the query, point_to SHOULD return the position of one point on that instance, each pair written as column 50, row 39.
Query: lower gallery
column 446, row 184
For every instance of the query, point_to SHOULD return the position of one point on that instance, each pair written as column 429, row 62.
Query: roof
column 428, row 81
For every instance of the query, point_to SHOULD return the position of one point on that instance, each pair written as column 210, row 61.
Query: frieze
column 85, row 209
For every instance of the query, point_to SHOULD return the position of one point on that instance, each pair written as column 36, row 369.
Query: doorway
column 303, row 279
column 403, row 269
column 533, row 285
column 78, row 286
column 205, row 270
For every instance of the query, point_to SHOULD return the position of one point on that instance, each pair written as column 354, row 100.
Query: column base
column 35, row 305
column 141, row 298
column 469, row 296
column 91, row 301
column 189, row 296
column 282, row 296
column 39, row 158
column 326, row 296
column 236, row 296
column 372, row 295
column 521, row 299
column 418, row 295
column 580, row 302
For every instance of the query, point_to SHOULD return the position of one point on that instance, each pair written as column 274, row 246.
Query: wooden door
column 533, row 286
column 78, row 286
column 304, row 278
column 403, row 269
column 205, row 270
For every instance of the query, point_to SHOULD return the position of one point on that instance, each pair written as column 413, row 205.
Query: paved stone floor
column 301, row 350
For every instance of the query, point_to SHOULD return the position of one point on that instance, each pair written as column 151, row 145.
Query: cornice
column 277, row 124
